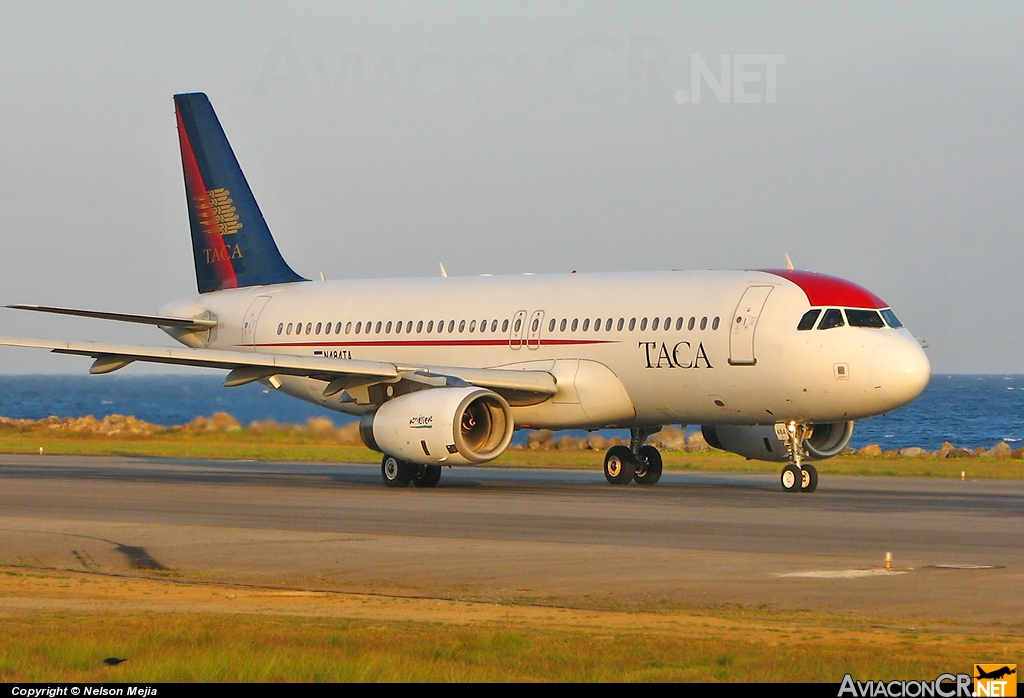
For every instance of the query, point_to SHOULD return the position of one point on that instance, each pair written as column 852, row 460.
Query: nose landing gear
column 637, row 462
column 797, row 476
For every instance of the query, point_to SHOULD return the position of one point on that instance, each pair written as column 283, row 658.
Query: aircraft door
column 516, row 331
column 536, row 324
column 744, row 323
column 252, row 316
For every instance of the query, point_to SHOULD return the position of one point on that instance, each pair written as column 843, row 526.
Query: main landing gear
column 637, row 462
column 399, row 473
column 798, row 476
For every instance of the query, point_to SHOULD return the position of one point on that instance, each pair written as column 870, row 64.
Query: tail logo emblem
column 217, row 212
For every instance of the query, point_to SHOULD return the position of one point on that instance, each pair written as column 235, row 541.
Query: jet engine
column 454, row 426
column 761, row 443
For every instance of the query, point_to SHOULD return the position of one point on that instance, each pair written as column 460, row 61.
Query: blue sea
column 967, row 410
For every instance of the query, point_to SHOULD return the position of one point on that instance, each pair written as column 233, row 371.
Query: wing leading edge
column 339, row 374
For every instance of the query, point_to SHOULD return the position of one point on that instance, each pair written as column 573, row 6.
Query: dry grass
column 309, row 446
column 352, row 638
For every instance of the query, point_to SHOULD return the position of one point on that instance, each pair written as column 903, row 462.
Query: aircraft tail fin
column 231, row 241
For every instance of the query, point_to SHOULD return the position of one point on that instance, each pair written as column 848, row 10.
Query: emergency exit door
column 744, row 325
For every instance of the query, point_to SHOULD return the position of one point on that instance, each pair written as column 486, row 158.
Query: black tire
column 427, row 476
column 648, row 470
column 619, row 465
column 809, row 479
column 395, row 472
column 791, row 478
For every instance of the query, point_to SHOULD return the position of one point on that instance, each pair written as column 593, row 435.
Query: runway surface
column 507, row 534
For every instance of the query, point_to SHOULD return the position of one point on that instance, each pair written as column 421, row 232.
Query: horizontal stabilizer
column 159, row 320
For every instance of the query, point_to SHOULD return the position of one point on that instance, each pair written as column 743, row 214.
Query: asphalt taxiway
column 506, row 534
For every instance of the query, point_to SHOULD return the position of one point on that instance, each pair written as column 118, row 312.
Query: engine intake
column 441, row 425
column 761, row 443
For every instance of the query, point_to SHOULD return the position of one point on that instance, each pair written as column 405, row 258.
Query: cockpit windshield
column 863, row 318
column 833, row 318
column 891, row 319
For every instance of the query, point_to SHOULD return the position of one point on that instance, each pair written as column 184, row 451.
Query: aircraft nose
column 899, row 371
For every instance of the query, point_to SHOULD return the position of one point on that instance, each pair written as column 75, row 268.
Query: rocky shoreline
column 668, row 439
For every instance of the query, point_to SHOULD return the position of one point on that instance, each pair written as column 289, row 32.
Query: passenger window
column 863, row 318
column 309, row 327
column 833, row 317
column 654, row 324
column 643, row 324
column 504, row 325
column 337, row 328
column 519, row 323
column 632, row 324
column 551, row 325
column 561, row 326
column 714, row 324
column 483, row 325
column 494, row 325
column 891, row 319
column 419, row 327
column 327, row 328
column 586, row 324
column 319, row 326
column 451, row 326
column 462, row 325
column 348, row 327
column 575, row 324
column 440, row 326
column 691, row 323
column 703, row 323
column 472, row 325
column 289, row 330
column 359, row 327
column 679, row 323
column 376, row 329
column 808, row 320
column 536, row 324
column 622, row 321
column 280, row 328
column 387, row 328
column 668, row 324
column 398, row 327
column 430, row 327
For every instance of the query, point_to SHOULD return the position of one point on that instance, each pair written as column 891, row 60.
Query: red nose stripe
column 824, row 290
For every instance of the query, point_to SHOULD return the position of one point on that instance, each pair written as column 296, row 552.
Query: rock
column 222, row 421
column 696, row 443
column 891, row 453
column 320, row 426
column 944, row 450
column 670, row 439
column 596, row 442
column 960, row 453
column 540, row 439
column 870, row 450
column 1018, row 453
column 568, row 443
column 1000, row 450
column 913, row 452
column 349, row 433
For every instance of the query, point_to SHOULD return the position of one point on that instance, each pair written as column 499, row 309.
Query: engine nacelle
column 455, row 426
column 761, row 443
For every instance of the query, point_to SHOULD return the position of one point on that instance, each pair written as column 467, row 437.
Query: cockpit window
column 891, row 319
column 809, row 318
column 833, row 317
column 863, row 318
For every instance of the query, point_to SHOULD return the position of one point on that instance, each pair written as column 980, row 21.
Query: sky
column 879, row 142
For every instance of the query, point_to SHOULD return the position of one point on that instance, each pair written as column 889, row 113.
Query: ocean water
column 967, row 410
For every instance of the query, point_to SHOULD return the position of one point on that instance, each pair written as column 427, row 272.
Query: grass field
column 64, row 624
column 309, row 446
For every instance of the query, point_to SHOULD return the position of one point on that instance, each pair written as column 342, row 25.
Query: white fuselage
column 643, row 366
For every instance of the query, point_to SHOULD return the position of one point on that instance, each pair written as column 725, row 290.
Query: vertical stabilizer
column 231, row 242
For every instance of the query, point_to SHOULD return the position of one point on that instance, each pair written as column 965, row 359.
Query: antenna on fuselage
column 444, row 274
column 789, row 262
column 322, row 277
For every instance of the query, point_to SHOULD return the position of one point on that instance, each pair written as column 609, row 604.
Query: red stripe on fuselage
column 196, row 189
column 822, row 290
column 435, row 343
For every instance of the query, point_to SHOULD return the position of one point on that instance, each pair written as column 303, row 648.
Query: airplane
column 775, row 364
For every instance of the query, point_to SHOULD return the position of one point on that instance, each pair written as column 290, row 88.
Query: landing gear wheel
column 619, row 465
column 809, row 479
column 427, row 476
column 791, row 478
column 648, row 470
column 394, row 472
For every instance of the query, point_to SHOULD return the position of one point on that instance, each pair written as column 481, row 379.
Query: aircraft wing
column 246, row 367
